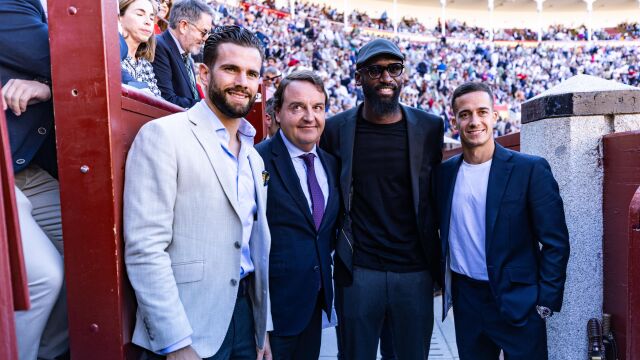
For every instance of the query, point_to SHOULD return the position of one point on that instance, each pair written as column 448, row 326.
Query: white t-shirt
column 468, row 221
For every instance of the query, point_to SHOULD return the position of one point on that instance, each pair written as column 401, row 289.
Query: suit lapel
column 415, row 134
column 258, row 181
column 209, row 141
column 331, row 185
column 283, row 163
column 176, row 53
column 449, row 176
column 498, row 179
column 347, row 138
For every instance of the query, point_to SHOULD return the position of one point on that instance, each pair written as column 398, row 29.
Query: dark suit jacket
column 300, row 255
column 171, row 74
column 24, row 40
column 523, row 210
column 425, row 133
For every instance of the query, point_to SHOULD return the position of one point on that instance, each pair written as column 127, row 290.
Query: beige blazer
column 180, row 227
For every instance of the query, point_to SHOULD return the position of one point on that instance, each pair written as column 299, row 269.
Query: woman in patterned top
column 137, row 20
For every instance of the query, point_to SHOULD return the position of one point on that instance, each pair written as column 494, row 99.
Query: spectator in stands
column 136, row 18
column 190, row 24
column 25, row 72
column 161, row 22
column 270, row 119
column 270, row 80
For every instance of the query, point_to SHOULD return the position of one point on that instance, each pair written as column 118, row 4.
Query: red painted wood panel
column 633, row 320
column 19, row 285
column 14, row 293
column 621, row 271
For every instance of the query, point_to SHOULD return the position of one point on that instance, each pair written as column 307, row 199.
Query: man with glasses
column 271, row 80
column 387, row 247
column 190, row 23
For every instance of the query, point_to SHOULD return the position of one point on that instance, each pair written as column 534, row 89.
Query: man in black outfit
column 387, row 246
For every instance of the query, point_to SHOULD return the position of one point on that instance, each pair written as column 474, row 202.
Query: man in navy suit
column 505, row 243
column 302, row 207
column 190, row 24
column 25, row 74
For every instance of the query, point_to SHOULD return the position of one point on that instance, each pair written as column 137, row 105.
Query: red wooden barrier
column 19, row 285
column 621, row 271
column 632, row 349
column 14, row 293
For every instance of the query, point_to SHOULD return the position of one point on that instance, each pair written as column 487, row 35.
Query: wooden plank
column 633, row 333
column 19, row 281
column 621, row 179
column 12, row 273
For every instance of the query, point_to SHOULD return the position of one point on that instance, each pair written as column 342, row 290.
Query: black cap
column 377, row 47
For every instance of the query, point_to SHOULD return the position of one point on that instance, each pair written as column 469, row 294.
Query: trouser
column 304, row 346
column 41, row 331
column 404, row 299
column 481, row 332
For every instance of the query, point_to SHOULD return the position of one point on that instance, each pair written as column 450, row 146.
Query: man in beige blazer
column 196, row 235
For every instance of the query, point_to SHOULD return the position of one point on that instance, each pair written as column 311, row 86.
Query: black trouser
column 405, row 299
column 481, row 332
column 304, row 346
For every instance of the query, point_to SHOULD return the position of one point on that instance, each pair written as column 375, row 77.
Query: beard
column 218, row 97
column 380, row 105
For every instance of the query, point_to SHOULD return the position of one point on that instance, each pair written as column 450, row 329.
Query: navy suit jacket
column 523, row 211
column 171, row 74
column 300, row 258
column 24, row 40
column 425, row 135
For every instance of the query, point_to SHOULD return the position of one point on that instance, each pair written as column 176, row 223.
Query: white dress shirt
column 301, row 170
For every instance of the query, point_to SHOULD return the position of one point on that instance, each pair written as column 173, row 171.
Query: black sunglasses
column 375, row 71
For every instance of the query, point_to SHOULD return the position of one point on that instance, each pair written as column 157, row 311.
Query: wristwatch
column 544, row 311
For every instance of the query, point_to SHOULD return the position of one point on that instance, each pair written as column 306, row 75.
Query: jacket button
column 42, row 131
column 233, row 282
column 316, row 268
column 237, row 245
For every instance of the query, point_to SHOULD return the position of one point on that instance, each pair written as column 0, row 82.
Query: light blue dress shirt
column 244, row 187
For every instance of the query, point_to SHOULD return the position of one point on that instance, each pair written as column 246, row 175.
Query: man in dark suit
column 190, row 24
column 505, row 244
column 387, row 246
column 25, row 72
column 302, row 207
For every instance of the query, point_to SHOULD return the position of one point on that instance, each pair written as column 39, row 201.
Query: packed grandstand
column 314, row 36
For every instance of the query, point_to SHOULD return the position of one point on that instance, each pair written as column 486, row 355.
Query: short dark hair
column 230, row 34
column 467, row 88
column 269, row 108
column 300, row 75
column 189, row 10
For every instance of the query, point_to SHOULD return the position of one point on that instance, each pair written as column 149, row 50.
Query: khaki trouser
column 41, row 331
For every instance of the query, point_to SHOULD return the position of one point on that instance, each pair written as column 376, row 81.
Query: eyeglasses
column 205, row 33
column 272, row 78
column 375, row 71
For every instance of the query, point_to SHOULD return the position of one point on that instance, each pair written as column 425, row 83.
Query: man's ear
column 358, row 79
column 275, row 117
column 203, row 73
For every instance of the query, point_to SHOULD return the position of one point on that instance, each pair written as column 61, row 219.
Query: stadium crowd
column 314, row 40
